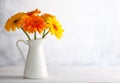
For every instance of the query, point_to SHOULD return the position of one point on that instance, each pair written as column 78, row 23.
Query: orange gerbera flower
column 14, row 22
column 33, row 24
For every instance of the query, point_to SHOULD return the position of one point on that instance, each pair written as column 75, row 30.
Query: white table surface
column 81, row 74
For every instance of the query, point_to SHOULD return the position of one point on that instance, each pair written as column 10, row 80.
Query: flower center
column 15, row 21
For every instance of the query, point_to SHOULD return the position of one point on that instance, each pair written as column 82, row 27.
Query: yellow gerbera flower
column 14, row 22
column 56, row 29
column 54, row 26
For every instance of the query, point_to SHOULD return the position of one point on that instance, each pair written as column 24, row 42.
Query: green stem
column 35, row 37
column 26, row 34
column 44, row 34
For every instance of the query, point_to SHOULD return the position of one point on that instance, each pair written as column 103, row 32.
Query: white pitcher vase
column 35, row 64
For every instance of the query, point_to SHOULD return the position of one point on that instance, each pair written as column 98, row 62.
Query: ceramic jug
column 35, row 64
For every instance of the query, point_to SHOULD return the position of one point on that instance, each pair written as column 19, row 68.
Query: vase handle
column 17, row 44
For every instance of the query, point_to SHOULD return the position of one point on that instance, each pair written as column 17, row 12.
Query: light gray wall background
column 91, row 37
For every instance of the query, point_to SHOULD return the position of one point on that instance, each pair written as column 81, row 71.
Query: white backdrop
column 91, row 37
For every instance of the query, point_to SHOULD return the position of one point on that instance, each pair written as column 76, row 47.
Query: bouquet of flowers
column 35, row 22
